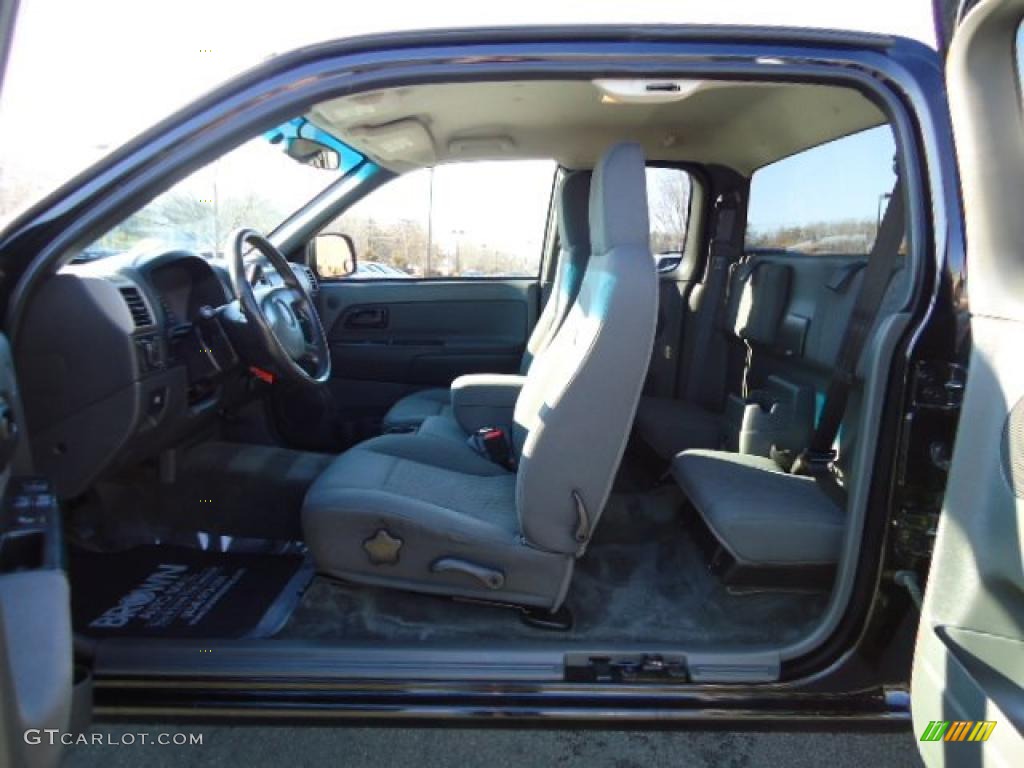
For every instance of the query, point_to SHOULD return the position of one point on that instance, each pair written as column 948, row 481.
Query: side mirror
column 309, row 152
column 333, row 255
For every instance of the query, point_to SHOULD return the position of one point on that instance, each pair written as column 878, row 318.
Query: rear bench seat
column 758, row 293
column 761, row 515
column 671, row 426
column 791, row 313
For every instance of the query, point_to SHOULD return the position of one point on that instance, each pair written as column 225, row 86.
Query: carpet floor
column 643, row 579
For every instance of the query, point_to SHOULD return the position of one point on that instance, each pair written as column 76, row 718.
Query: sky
column 803, row 188
column 86, row 76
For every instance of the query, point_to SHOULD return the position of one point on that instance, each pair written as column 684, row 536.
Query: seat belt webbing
column 880, row 265
column 706, row 381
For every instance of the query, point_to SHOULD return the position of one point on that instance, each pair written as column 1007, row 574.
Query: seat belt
column 495, row 444
column 819, row 456
column 706, row 382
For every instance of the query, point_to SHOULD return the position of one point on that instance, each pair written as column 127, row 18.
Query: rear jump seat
column 791, row 315
column 758, row 293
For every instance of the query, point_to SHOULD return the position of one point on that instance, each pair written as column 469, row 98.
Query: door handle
column 368, row 317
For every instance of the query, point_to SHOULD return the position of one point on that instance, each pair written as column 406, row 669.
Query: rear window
column 668, row 200
column 825, row 200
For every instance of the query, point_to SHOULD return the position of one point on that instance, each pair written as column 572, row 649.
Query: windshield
column 256, row 185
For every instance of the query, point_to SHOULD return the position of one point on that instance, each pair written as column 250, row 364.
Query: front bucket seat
column 428, row 514
column 574, row 240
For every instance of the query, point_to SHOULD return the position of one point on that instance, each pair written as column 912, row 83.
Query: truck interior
column 596, row 452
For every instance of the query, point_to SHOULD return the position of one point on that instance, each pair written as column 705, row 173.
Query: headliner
column 743, row 125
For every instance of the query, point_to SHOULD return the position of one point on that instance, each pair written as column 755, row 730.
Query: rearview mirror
column 333, row 254
column 309, row 152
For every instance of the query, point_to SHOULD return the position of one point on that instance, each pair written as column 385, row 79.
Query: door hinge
column 938, row 384
column 626, row 668
column 914, row 529
column 929, row 430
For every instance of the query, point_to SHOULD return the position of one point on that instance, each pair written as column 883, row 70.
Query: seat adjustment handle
column 489, row 577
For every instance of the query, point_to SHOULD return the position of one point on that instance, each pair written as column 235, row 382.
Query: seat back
column 574, row 251
column 574, row 414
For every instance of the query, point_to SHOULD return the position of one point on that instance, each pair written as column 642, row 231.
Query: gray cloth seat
column 758, row 295
column 574, row 242
column 419, row 501
column 672, row 426
column 444, row 426
column 412, row 410
column 424, row 512
column 757, row 301
column 760, row 514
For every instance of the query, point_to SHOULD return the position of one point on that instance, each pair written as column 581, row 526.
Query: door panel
column 389, row 338
column 35, row 617
column 968, row 678
column 969, row 660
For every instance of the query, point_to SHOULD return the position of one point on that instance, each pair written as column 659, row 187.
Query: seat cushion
column 421, row 512
column 411, row 411
column 443, row 426
column 760, row 514
column 673, row 426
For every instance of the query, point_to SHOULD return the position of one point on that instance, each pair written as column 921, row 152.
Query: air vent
column 314, row 286
column 136, row 305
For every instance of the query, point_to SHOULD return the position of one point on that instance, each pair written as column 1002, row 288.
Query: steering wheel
column 282, row 316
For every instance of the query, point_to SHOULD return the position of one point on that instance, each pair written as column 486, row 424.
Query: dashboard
column 187, row 289
column 124, row 358
column 183, row 286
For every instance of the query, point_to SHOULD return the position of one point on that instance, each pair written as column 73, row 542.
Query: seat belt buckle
column 495, row 444
column 813, row 463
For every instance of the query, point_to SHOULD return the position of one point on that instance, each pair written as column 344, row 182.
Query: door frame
column 901, row 75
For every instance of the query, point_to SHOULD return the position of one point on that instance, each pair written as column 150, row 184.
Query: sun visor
column 401, row 145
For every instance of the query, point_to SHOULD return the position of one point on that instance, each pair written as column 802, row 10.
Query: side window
column 464, row 220
column 825, row 200
column 668, row 202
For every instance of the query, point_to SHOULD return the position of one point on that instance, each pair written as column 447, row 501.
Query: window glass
column 825, row 200
column 480, row 219
column 668, row 201
column 255, row 185
column 1018, row 49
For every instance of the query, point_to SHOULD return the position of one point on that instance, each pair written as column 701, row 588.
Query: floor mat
column 642, row 579
column 178, row 592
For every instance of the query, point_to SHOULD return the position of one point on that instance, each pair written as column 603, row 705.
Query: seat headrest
column 618, row 200
column 573, row 211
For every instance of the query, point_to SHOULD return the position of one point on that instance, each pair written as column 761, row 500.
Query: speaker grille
column 1013, row 448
